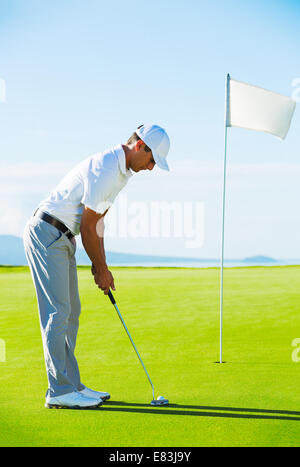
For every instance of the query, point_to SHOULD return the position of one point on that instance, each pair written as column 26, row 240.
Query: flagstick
column 223, row 216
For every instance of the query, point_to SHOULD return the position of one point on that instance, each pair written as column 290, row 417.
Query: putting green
column 173, row 317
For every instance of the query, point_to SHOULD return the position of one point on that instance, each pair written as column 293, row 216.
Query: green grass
column 173, row 316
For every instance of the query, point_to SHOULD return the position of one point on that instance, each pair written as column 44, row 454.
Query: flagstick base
column 220, row 362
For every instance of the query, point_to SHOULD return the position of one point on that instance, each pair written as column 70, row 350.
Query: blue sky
column 81, row 75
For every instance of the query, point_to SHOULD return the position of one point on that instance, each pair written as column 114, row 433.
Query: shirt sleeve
column 98, row 191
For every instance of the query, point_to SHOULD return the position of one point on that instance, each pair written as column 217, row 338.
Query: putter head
column 160, row 401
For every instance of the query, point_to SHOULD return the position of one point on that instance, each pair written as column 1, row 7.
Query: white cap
column 158, row 141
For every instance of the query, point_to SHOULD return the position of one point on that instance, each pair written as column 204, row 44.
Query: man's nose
column 150, row 166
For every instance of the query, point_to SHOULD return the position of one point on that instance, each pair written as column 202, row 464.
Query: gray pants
column 51, row 258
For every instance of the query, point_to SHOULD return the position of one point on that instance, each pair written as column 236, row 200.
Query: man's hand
column 103, row 279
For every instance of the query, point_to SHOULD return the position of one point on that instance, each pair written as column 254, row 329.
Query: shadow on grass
column 201, row 411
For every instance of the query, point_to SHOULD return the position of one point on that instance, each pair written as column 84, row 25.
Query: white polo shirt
column 94, row 183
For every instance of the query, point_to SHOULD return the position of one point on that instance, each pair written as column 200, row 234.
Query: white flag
column 256, row 108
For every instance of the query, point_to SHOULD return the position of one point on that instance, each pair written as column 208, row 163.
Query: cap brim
column 160, row 161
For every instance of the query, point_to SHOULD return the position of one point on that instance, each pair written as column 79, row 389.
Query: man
column 78, row 205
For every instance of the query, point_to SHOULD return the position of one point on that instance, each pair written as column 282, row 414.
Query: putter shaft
column 113, row 301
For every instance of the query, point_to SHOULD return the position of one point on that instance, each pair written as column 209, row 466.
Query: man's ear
column 138, row 145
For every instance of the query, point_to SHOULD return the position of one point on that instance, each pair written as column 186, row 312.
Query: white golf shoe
column 96, row 394
column 73, row 400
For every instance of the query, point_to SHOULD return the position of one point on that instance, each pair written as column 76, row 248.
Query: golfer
column 75, row 206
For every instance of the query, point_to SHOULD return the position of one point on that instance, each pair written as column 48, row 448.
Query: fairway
column 173, row 316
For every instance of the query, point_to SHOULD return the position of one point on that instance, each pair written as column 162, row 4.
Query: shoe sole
column 73, row 407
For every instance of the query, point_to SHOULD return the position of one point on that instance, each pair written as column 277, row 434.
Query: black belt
column 51, row 220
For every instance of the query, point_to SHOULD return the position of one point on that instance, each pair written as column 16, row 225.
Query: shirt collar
column 122, row 161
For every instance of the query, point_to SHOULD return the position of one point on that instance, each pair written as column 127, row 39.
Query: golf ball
column 160, row 398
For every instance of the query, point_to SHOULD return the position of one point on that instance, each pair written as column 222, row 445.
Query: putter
column 160, row 401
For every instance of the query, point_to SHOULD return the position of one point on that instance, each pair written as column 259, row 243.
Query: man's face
column 142, row 159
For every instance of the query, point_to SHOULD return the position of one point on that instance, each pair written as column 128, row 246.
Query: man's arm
column 94, row 246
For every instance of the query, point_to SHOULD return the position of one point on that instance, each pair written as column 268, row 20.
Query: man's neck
column 127, row 151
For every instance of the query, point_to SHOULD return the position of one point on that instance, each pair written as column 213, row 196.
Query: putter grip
column 111, row 297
